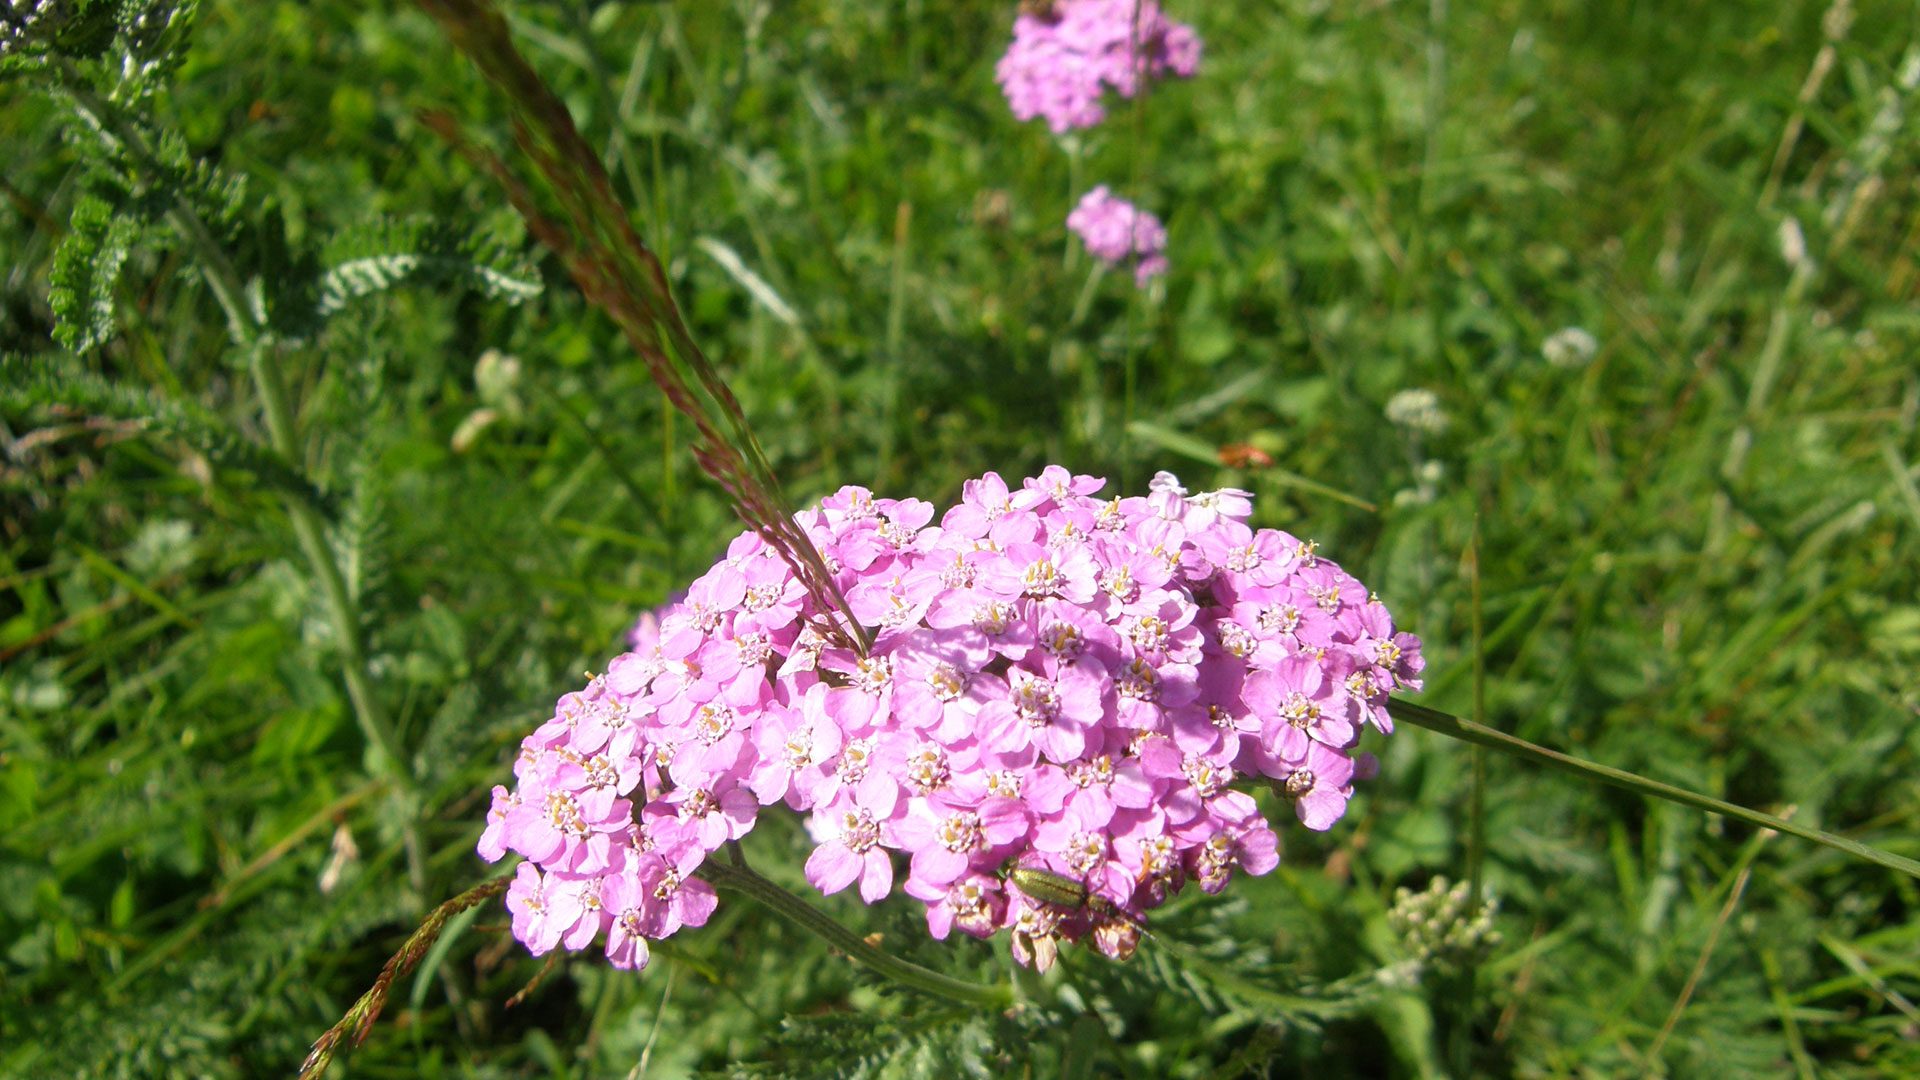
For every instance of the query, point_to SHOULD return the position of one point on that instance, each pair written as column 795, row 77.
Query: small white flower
column 1569, row 347
column 1418, row 410
column 1793, row 243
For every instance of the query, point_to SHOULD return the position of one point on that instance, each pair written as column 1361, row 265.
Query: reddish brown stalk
column 354, row 1026
column 553, row 958
column 617, row 272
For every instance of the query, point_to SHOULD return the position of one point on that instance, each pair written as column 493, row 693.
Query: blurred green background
column 1697, row 517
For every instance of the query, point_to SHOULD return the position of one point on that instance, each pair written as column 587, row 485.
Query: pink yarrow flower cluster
column 1061, row 64
column 1117, row 232
column 1085, row 688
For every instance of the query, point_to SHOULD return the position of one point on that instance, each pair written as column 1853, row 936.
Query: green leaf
column 28, row 384
column 134, row 42
column 31, row 31
column 153, row 33
column 120, row 908
column 86, row 270
column 386, row 253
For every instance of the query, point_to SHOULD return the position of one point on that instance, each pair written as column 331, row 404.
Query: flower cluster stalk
column 1480, row 735
column 741, row 879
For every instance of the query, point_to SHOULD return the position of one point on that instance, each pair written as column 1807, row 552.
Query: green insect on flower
column 1071, row 893
column 1052, row 888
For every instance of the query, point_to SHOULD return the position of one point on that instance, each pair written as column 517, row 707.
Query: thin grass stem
column 1477, row 795
column 1480, row 735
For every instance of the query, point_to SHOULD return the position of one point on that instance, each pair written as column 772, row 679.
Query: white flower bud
column 1569, row 347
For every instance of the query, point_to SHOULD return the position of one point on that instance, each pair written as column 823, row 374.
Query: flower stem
column 309, row 531
column 255, row 340
column 1480, row 735
column 740, row 879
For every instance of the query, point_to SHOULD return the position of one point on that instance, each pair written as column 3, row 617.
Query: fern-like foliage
column 145, row 183
column 152, row 37
column 223, row 1010
column 32, row 32
column 131, row 43
column 137, row 178
column 846, row 1046
column 85, row 271
column 385, row 253
column 148, row 171
column 360, row 537
column 29, row 384
column 176, row 174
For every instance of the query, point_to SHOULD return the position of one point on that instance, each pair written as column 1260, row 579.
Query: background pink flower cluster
column 1115, row 230
column 1061, row 64
column 1076, row 685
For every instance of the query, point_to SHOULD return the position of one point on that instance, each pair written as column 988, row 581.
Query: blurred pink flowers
column 1118, row 232
column 1060, row 65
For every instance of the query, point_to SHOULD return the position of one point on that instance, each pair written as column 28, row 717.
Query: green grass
column 1696, row 554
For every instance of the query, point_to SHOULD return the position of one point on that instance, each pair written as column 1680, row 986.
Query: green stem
column 309, row 531
column 1477, row 800
column 740, row 879
column 1458, row 1017
column 254, row 339
column 1480, row 735
column 896, row 337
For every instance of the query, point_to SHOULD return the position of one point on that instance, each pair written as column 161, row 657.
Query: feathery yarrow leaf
column 219, row 197
column 360, row 539
column 157, row 174
column 846, row 1046
column 32, row 31
column 57, row 382
column 385, row 253
column 85, row 271
column 151, row 31
column 125, row 47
